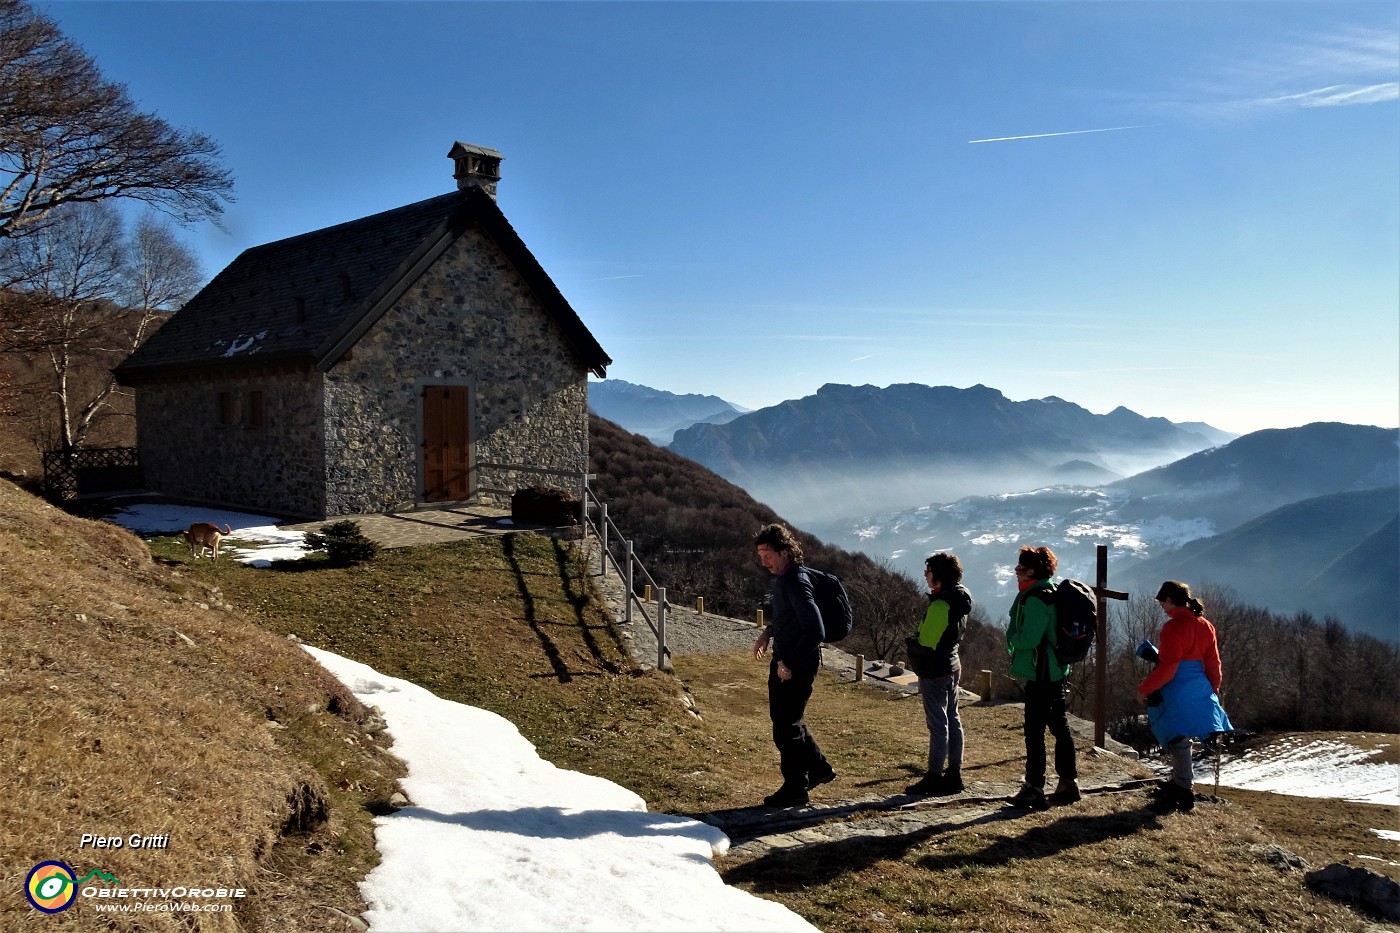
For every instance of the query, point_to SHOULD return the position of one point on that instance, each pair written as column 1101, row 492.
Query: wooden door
column 446, row 444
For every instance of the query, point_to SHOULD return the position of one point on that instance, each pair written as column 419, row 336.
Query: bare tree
column 889, row 608
column 67, row 135
column 90, row 295
column 71, row 267
column 161, row 275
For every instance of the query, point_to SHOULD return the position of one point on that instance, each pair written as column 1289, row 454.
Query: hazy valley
column 1296, row 520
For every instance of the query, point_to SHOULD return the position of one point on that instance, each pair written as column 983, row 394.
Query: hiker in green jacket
column 1031, row 638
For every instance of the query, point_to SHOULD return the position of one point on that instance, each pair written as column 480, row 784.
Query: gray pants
column 1182, row 773
column 945, row 732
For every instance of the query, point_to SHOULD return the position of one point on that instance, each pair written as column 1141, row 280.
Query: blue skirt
column 1189, row 707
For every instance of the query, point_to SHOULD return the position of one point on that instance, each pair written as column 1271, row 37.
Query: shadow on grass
column 301, row 565
column 1050, row 839
column 793, row 869
column 577, row 592
column 801, row 867
column 527, row 604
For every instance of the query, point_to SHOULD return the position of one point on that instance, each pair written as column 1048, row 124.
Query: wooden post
column 760, row 618
column 1104, row 594
column 583, row 502
column 646, row 597
column 603, row 539
column 860, row 667
column 700, row 604
column 986, row 686
column 661, row 662
column 631, row 591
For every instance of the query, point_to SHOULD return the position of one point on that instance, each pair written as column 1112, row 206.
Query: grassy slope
column 511, row 625
column 132, row 701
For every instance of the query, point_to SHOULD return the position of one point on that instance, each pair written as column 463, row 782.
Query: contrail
column 1106, row 129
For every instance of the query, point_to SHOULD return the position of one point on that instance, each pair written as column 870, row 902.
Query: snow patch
column 1299, row 767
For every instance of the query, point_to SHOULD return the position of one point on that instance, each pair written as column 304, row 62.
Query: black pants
column 1045, row 709
column 798, row 751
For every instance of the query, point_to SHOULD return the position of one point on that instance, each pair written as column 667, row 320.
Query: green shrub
column 343, row 542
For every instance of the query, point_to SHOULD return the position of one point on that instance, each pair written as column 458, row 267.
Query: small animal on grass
column 203, row 535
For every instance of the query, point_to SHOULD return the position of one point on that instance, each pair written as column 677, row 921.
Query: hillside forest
column 692, row 529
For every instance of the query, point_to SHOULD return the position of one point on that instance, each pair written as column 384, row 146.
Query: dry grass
column 130, row 703
column 1107, row 863
column 96, row 711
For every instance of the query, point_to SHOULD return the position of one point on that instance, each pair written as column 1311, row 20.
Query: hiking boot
column 950, row 783
column 1186, row 799
column 926, row 786
column 823, row 773
column 1171, row 796
column 1067, row 791
column 1028, row 796
column 789, row 795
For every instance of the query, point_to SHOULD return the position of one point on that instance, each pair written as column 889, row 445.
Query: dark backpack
column 833, row 603
column 1076, row 619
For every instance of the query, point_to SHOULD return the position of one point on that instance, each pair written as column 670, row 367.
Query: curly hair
column 780, row 538
column 1040, row 561
column 945, row 567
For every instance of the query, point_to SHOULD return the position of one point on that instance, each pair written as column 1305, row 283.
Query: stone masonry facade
column 200, row 441
column 469, row 320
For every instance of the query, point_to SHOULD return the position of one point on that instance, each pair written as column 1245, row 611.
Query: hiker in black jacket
column 795, row 633
column 933, row 653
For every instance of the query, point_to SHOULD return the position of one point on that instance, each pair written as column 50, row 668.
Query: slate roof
column 306, row 299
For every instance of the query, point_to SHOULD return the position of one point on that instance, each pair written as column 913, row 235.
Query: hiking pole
column 1216, row 748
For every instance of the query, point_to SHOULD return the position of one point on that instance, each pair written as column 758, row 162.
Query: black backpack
column 833, row 603
column 1076, row 619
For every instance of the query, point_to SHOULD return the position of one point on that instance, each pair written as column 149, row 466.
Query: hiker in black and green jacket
column 1031, row 639
column 933, row 653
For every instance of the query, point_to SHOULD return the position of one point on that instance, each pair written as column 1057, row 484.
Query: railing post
column 661, row 630
column 630, row 590
column 603, row 536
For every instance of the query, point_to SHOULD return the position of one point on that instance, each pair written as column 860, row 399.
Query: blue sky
column 755, row 199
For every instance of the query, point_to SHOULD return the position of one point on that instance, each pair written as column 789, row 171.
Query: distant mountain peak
column 867, row 449
column 655, row 413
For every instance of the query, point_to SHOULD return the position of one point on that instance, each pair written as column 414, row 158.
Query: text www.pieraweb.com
column 143, row 907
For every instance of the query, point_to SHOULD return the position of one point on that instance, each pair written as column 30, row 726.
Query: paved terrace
column 430, row 526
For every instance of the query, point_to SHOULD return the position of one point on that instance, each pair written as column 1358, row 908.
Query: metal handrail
column 626, row 570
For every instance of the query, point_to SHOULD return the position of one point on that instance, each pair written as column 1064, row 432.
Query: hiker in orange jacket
column 1188, row 678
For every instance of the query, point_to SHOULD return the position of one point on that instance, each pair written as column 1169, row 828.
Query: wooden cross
column 1104, row 594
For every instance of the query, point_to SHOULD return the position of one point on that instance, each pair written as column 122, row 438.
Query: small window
column 230, row 408
column 254, row 409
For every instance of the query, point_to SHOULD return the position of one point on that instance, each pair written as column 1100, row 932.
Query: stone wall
column 276, row 466
column 469, row 320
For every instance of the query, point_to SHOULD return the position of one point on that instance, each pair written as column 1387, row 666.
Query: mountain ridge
column 655, row 413
column 859, row 449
